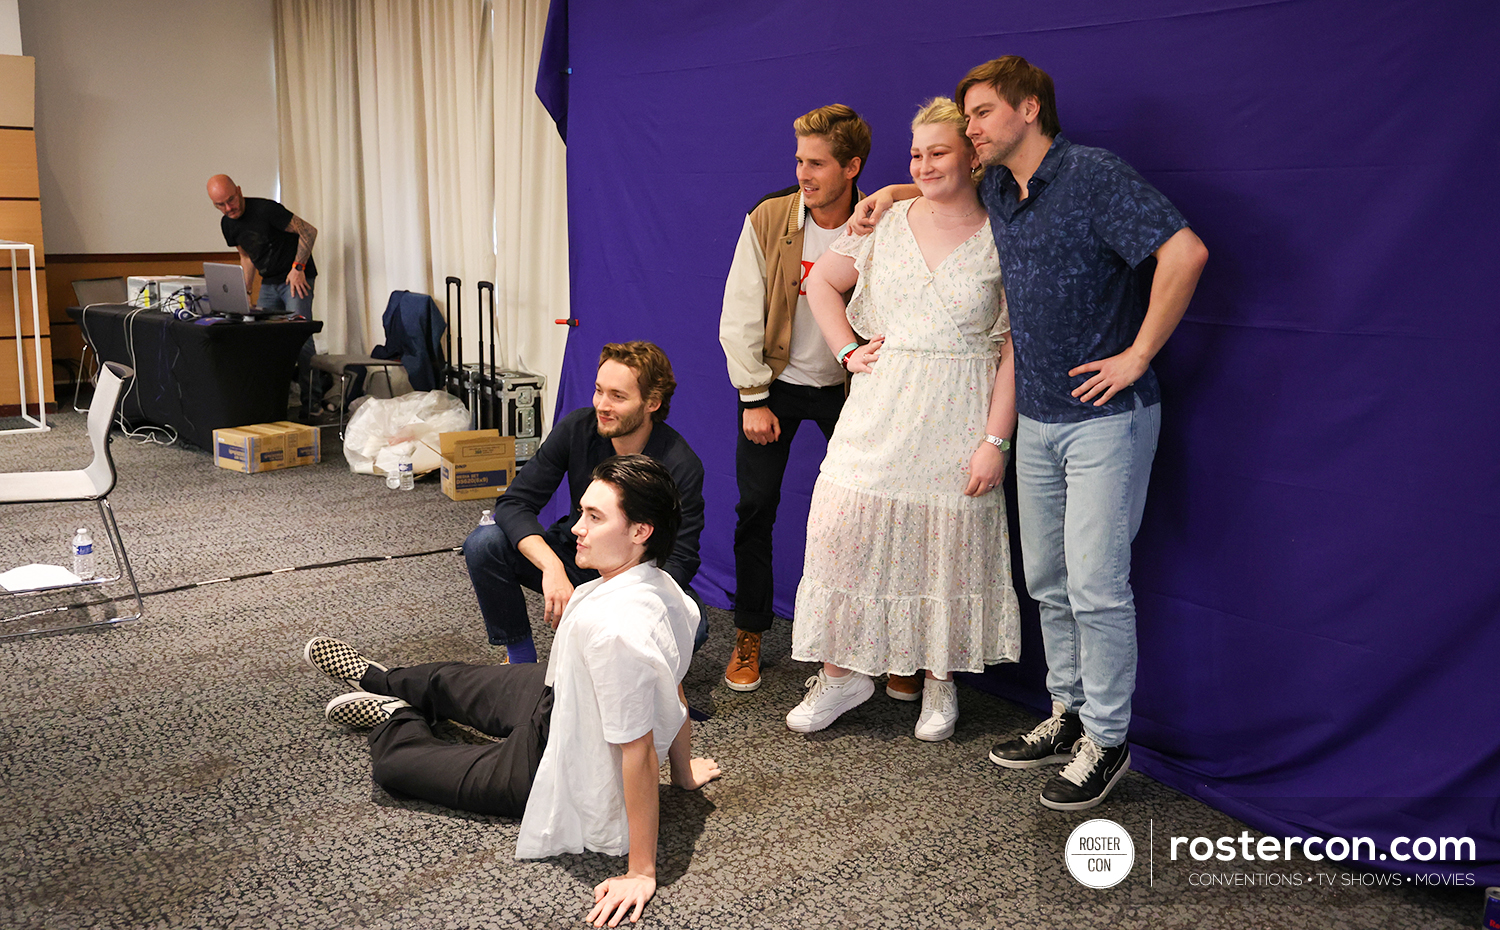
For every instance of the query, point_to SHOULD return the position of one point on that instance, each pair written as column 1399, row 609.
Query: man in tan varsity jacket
column 777, row 358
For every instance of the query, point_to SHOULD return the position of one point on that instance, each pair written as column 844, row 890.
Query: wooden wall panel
column 10, row 389
column 21, row 221
column 17, row 91
column 7, row 315
column 18, row 169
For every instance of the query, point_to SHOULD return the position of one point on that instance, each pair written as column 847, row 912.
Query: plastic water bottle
column 487, row 518
column 83, row 554
column 403, row 471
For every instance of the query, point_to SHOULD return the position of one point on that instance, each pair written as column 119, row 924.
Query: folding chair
column 92, row 483
column 343, row 366
column 92, row 292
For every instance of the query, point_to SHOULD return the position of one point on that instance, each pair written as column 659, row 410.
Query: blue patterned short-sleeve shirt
column 1070, row 254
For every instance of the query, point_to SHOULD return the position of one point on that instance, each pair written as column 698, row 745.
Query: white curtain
column 401, row 121
column 531, row 199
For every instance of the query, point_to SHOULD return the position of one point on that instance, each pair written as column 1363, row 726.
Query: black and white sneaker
column 1050, row 741
column 1089, row 778
column 362, row 709
column 338, row 660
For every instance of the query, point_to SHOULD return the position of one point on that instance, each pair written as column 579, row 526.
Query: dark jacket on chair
column 414, row 333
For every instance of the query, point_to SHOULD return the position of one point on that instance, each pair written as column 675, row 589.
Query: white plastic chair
column 92, row 483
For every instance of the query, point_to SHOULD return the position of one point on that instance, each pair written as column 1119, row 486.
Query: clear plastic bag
column 383, row 428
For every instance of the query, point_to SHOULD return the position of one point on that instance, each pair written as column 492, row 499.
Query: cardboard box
column 266, row 447
column 304, row 443
column 477, row 463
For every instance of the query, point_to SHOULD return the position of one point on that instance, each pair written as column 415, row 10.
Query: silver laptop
column 226, row 292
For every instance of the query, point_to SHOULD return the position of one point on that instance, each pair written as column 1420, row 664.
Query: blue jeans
column 1081, row 491
column 499, row 571
column 280, row 296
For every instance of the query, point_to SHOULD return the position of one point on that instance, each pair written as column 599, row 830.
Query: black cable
column 264, row 573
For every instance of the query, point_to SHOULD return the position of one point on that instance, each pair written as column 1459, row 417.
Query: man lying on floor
column 580, row 741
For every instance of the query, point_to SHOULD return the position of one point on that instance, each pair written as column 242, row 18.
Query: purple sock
column 523, row 651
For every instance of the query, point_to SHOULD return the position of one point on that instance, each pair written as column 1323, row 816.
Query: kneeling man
column 578, row 758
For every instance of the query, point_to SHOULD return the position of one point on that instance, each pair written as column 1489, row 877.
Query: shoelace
column 939, row 700
column 815, row 686
column 1088, row 756
column 1047, row 729
column 744, row 653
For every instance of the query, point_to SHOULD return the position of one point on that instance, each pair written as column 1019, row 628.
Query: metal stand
column 38, row 422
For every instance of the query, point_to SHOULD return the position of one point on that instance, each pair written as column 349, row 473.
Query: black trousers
column 509, row 701
column 759, row 471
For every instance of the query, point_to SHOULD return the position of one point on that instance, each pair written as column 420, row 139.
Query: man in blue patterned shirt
column 1078, row 232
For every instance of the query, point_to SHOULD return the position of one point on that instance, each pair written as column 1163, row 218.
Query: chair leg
column 94, row 379
column 345, row 382
column 122, row 558
column 310, row 409
column 124, row 570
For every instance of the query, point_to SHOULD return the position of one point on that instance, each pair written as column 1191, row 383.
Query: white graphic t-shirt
column 812, row 364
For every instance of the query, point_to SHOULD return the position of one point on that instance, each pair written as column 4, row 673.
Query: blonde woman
column 908, row 560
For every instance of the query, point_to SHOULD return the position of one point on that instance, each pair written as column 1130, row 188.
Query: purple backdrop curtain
column 1316, row 577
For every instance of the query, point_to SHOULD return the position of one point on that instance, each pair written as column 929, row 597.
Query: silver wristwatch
column 1002, row 444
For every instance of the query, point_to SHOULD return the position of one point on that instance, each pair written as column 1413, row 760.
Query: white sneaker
column 827, row 698
column 939, row 710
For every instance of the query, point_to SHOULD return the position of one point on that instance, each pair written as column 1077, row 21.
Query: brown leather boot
column 904, row 687
column 743, row 673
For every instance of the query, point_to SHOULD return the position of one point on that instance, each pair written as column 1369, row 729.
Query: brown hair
column 653, row 371
column 1014, row 79
column 848, row 136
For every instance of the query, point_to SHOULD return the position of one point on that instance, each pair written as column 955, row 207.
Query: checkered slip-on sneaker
column 362, row 709
column 338, row 660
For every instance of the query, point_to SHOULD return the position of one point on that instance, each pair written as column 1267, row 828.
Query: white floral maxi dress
column 903, row 571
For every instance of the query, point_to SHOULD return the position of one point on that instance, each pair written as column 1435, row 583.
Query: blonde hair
column 941, row 111
column 848, row 136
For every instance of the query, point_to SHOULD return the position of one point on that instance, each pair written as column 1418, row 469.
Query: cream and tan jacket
column 760, row 296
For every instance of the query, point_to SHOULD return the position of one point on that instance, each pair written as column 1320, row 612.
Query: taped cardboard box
column 304, row 443
column 266, row 447
column 476, row 463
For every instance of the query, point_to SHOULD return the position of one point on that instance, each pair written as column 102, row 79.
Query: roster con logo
column 1099, row 853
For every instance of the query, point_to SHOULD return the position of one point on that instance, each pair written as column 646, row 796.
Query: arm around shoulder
column 868, row 211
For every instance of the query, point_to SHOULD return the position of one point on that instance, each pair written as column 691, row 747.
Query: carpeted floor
column 177, row 772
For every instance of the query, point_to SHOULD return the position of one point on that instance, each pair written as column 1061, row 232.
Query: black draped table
column 197, row 377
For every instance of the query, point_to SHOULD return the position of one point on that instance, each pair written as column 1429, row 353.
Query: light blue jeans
column 280, row 297
column 1082, row 489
